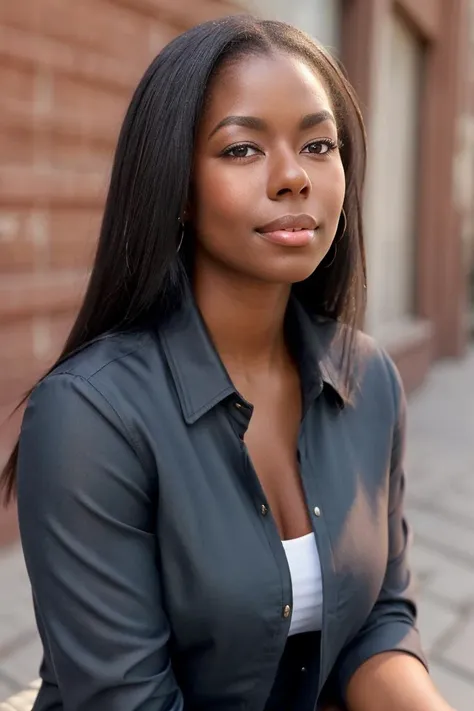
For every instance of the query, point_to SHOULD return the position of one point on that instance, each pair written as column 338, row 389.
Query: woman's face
column 266, row 152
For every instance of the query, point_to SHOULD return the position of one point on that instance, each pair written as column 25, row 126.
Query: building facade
column 67, row 70
column 410, row 62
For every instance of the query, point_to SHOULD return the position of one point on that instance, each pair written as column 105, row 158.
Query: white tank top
column 305, row 569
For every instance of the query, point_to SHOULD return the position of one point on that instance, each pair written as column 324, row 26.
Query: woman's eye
column 242, row 151
column 321, row 147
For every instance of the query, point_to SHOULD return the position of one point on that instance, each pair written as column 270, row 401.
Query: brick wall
column 67, row 70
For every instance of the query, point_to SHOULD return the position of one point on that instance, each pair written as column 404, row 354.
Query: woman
column 210, row 480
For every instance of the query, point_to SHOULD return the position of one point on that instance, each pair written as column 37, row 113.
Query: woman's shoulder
column 94, row 392
column 106, row 354
column 371, row 368
column 79, row 446
column 106, row 375
column 375, row 362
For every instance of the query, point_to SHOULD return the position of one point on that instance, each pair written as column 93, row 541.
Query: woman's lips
column 289, row 238
column 290, row 230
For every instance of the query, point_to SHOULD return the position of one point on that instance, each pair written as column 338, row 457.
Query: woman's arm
column 383, row 668
column 393, row 681
column 86, row 510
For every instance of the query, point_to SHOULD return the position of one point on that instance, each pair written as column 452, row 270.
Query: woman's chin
column 290, row 270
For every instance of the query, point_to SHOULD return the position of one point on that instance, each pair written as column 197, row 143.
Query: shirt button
column 286, row 611
column 317, row 511
column 264, row 510
column 238, row 405
column 303, row 669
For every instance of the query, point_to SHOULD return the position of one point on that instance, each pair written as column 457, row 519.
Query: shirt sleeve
column 391, row 625
column 86, row 510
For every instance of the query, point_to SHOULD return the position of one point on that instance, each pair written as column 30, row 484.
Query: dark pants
column 297, row 677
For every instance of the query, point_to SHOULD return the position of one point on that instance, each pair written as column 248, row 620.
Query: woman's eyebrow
column 311, row 120
column 253, row 122
column 258, row 124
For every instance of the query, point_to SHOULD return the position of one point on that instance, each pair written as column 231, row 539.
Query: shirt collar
column 202, row 381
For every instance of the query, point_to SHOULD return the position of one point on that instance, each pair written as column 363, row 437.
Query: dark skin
column 286, row 171
column 244, row 177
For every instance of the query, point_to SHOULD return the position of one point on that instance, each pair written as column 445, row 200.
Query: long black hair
column 137, row 270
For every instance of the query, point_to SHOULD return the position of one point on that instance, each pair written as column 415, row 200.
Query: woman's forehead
column 264, row 84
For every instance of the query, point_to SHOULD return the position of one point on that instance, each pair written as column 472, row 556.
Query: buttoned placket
column 241, row 415
column 310, row 482
column 313, row 487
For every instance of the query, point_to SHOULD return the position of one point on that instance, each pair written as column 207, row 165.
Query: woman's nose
column 288, row 177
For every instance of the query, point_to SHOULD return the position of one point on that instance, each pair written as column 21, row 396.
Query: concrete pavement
column 440, row 505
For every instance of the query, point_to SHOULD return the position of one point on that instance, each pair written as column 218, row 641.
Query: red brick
column 73, row 238
column 24, row 240
column 17, row 254
column 19, row 373
column 19, row 185
column 20, row 14
column 32, row 345
column 86, row 154
column 61, row 139
column 16, row 257
column 17, row 79
column 159, row 34
column 183, row 13
column 67, row 72
column 88, row 102
column 20, row 379
column 22, row 118
column 31, row 49
column 72, row 23
column 29, row 294
column 16, row 145
column 17, row 341
column 60, row 326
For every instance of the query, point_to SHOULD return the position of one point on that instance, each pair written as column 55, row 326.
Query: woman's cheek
column 229, row 192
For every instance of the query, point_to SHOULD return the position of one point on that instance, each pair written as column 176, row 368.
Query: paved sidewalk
column 440, row 504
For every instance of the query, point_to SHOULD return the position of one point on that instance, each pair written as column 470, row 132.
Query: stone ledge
column 23, row 701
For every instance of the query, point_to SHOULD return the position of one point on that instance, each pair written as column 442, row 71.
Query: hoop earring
column 336, row 240
column 343, row 213
column 181, row 234
column 334, row 245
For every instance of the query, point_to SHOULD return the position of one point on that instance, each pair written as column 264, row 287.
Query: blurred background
column 67, row 70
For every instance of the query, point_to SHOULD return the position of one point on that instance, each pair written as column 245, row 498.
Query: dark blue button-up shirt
column 159, row 578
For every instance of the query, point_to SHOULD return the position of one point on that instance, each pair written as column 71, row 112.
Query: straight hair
column 138, row 273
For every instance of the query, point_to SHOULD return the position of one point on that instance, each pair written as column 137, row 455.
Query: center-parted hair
column 138, row 272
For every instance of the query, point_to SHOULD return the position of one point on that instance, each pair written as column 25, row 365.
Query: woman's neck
column 245, row 321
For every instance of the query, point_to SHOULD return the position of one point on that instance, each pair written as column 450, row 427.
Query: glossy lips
column 290, row 230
